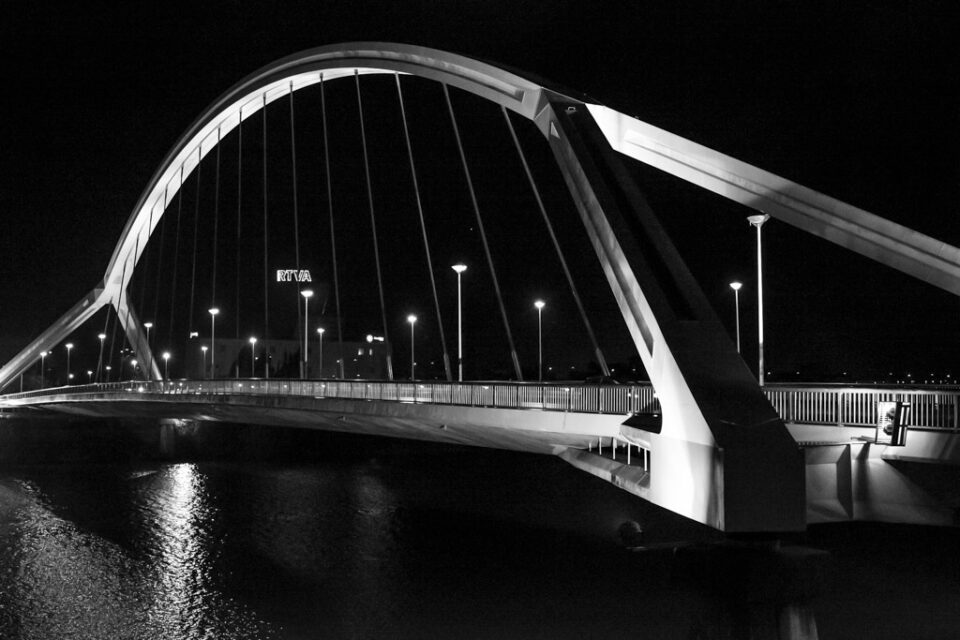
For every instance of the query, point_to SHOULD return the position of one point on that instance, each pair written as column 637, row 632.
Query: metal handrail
column 845, row 406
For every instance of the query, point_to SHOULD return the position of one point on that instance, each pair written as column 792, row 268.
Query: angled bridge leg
column 723, row 456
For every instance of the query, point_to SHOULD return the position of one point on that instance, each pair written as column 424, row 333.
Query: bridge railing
column 849, row 406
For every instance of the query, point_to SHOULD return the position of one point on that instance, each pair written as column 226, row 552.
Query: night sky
column 856, row 99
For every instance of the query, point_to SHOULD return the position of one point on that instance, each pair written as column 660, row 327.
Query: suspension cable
column 301, row 328
column 216, row 222
column 266, row 233
column 143, row 291
column 146, row 265
column 126, row 295
column 163, row 230
column 556, row 245
column 106, row 326
column 483, row 235
column 176, row 259
column 293, row 159
column 239, row 216
column 196, row 217
column 373, row 225
column 423, row 229
column 116, row 322
column 333, row 242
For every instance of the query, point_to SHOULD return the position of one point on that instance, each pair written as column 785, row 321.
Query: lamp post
column 108, row 368
column 736, row 301
column 213, row 341
column 320, row 331
column 69, row 346
column 412, row 319
column 89, row 376
column 166, row 365
column 203, row 370
column 133, row 365
column 459, row 268
column 148, row 326
column 758, row 221
column 253, row 357
column 43, row 355
column 102, row 337
column 305, row 366
column 540, row 304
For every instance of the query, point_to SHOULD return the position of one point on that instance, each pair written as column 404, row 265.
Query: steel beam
column 889, row 243
column 723, row 457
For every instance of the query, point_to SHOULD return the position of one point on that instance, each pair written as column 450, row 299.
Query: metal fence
column 857, row 406
column 821, row 405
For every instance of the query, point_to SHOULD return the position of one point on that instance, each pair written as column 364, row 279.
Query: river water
column 370, row 538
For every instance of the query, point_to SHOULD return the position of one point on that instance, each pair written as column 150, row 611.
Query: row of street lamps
column 755, row 220
column 307, row 294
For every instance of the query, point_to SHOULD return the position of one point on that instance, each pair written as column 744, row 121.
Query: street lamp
column 166, row 365
column 540, row 304
column 102, row 337
column 320, row 331
column 203, row 370
column 304, row 368
column 133, row 365
column 148, row 326
column 459, row 268
column 43, row 355
column 758, row 221
column 213, row 341
column 89, row 376
column 69, row 346
column 412, row 319
column 253, row 357
column 736, row 301
column 108, row 368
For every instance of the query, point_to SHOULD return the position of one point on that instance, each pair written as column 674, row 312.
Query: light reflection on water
column 62, row 578
column 420, row 544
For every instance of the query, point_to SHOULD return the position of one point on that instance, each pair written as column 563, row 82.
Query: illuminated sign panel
column 293, row 275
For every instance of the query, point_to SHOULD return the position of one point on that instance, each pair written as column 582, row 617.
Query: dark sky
column 852, row 98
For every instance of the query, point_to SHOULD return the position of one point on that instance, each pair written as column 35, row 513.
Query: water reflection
column 63, row 576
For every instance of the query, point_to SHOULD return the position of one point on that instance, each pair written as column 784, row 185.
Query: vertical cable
column 116, row 321
column 296, row 234
column 126, row 295
column 143, row 291
column 146, row 266
column 216, row 222
column 266, row 232
column 333, row 241
column 176, row 260
column 373, row 225
column 196, row 217
column 423, row 230
column 163, row 233
column 483, row 235
column 239, row 217
column 293, row 159
column 556, row 246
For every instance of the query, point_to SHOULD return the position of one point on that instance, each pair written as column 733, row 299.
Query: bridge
column 714, row 443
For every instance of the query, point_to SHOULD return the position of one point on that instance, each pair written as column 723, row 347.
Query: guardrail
column 805, row 404
column 612, row 399
column 857, row 406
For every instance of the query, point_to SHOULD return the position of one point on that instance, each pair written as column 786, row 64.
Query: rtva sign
column 293, row 275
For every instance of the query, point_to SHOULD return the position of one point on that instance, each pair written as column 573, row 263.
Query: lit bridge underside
column 724, row 456
column 847, row 476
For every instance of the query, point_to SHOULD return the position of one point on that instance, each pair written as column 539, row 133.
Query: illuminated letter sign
column 293, row 275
